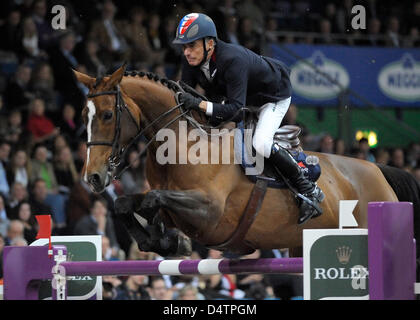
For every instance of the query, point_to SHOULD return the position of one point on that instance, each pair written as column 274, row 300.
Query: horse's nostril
column 94, row 179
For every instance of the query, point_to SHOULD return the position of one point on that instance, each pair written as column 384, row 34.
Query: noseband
column 118, row 153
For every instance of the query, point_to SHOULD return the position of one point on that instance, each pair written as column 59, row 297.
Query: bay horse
column 205, row 201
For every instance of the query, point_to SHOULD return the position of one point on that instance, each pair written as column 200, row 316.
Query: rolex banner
column 383, row 76
column 336, row 264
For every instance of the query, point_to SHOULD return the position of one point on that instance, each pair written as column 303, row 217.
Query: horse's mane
column 152, row 76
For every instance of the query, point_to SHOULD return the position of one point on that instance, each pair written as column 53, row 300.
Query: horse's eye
column 107, row 115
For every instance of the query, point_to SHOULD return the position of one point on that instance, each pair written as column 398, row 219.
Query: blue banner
column 382, row 76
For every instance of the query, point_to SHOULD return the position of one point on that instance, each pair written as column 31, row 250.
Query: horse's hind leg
column 155, row 236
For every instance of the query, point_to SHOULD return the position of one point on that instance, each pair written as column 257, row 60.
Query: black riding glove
column 189, row 101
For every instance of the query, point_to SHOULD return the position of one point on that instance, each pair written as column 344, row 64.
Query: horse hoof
column 184, row 246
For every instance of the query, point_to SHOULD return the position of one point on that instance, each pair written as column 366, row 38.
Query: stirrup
column 315, row 210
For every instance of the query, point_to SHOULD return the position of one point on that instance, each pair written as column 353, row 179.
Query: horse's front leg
column 124, row 211
column 190, row 207
column 154, row 236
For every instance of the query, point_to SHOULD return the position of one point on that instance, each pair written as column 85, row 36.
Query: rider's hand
column 189, row 101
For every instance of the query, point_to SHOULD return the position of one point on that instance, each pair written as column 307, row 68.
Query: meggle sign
column 400, row 80
column 310, row 84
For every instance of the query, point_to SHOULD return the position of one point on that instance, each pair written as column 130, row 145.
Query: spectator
column 18, row 194
column 43, row 26
column 107, row 254
column 62, row 61
column 17, row 93
column 188, row 293
column 248, row 37
column 397, row 158
column 90, row 58
column 30, row 40
column 365, row 148
column 15, row 230
column 414, row 17
column 65, row 170
column 224, row 284
column 375, row 37
column 109, row 287
column 42, row 85
column 38, row 198
column 382, row 156
column 108, row 33
column 158, row 289
column 232, row 30
column 133, row 179
column 10, row 31
column 326, row 144
column 19, row 242
column 251, row 284
column 4, row 220
column 413, row 154
column 40, row 126
column 4, row 159
column 98, row 222
column 393, row 32
column 29, row 222
column 12, row 131
column 135, row 254
column 173, row 53
column 271, row 31
column 136, row 35
column 249, row 10
column 70, row 126
column 134, row 288
column 340, row 147
column 40, row 167
column 325, row 30
column 154, row 36
column 17, row 170
column 330, row 14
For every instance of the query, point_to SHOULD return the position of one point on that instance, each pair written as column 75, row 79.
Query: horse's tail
column 407, row 189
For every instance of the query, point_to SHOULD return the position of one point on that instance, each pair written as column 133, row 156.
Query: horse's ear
column 116, row 77
column 84, row 78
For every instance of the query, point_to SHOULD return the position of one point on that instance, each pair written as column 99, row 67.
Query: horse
column 203, row 201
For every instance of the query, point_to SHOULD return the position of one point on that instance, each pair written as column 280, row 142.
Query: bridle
column 118, row 153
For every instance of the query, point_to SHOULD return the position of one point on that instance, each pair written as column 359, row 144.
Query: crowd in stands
column 43, row 140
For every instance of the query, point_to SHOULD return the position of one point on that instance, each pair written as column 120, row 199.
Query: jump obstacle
column 391, row 252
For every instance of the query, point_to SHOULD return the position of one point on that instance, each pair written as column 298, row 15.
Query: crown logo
column 343, row 254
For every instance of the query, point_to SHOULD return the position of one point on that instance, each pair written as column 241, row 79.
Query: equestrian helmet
column 194, row 26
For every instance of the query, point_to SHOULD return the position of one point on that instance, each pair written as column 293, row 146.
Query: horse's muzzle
column 97, row 183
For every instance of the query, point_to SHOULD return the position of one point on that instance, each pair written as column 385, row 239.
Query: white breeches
column 270, row 117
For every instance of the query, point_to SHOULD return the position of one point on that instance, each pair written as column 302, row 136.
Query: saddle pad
column 309, row 164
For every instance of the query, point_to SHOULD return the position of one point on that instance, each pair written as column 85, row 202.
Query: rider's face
column 194, row 52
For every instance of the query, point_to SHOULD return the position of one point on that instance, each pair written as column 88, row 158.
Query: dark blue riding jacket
column 241, row 77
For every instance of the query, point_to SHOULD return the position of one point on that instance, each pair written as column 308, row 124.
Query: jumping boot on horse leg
column 288, row 167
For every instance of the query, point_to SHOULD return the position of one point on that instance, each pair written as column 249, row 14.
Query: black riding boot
column 288, row 167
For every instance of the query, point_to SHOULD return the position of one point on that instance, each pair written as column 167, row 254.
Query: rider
column 243, row 78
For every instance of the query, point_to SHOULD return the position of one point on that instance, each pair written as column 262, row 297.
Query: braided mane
column 152, row 76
